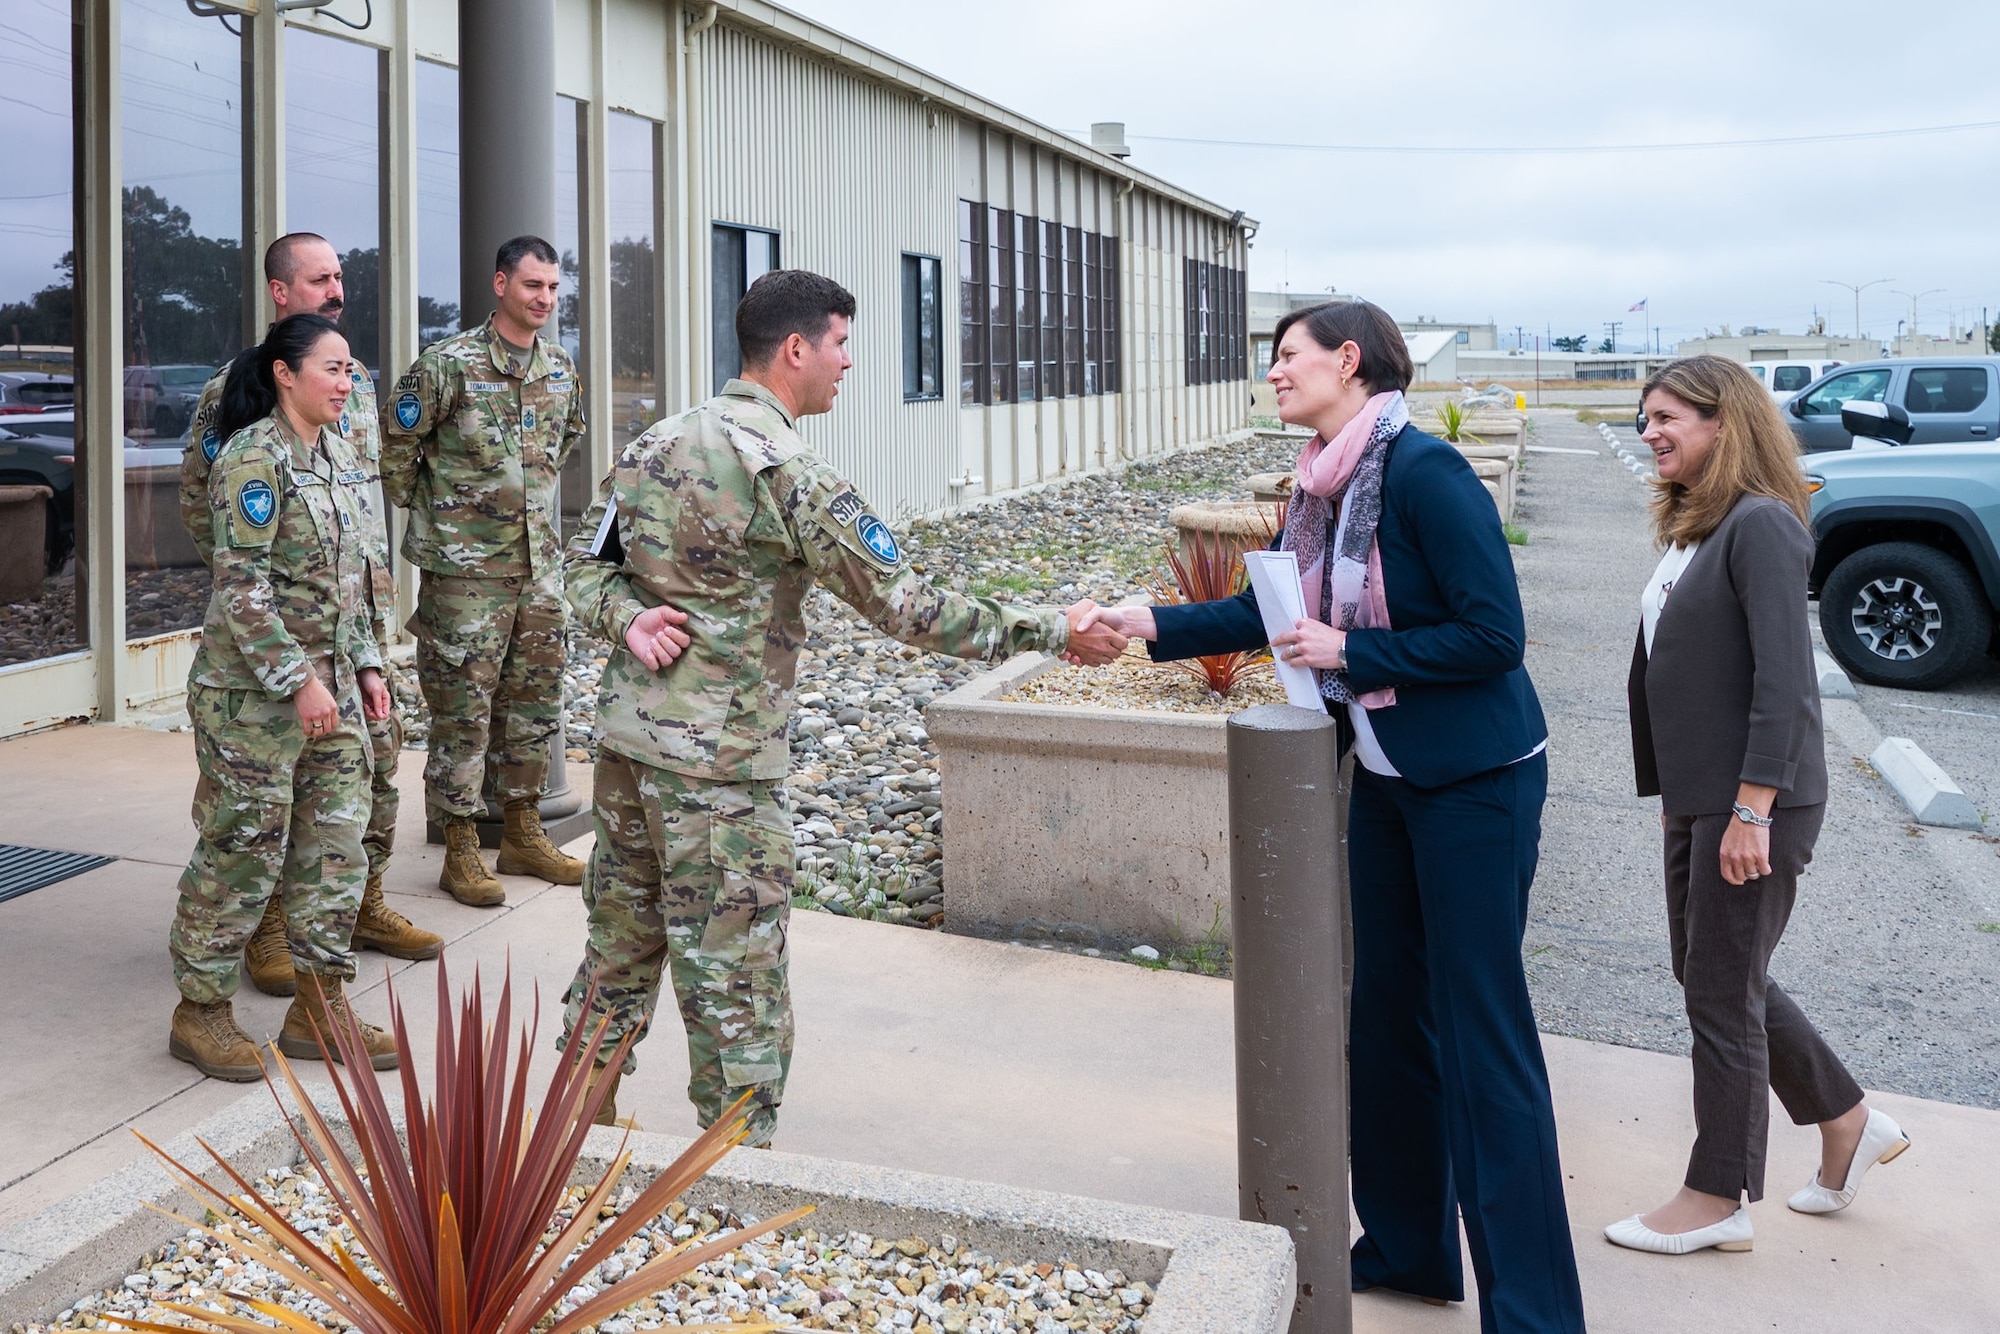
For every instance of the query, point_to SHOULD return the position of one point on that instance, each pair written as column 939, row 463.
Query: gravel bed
column 864, row 786
column 800, row 1279
column 1134, row 682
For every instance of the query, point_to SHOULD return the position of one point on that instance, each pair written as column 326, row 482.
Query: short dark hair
column 785, row 302
column 281, row 257
column 511, row 253
column 1385, row 354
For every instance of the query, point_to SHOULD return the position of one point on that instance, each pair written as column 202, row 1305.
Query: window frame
column 936, row 367
column 716, row 228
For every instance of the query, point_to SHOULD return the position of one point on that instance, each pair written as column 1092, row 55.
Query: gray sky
column 1550, row 242
column 1711, row 237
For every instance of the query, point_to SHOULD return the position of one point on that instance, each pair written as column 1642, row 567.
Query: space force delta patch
column 408, row 411
column 875, row 535
column 258, row 503
column 211, row 443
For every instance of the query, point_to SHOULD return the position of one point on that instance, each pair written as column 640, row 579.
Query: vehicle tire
column 1906, row 615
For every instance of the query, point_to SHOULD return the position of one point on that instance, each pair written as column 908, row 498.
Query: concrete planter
column 1098, row 825
column 1207, row 1273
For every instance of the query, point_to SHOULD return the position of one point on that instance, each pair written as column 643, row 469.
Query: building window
column 972, row 378
column 923, row 350
column 1072, row 290
column 1027, row 311
column 1052, row 378
column 1000, row 304
column 1215, row 304
column 741, row 255
column 39, row 321
column 1110, row 378
column 188, row 281
column 571, row 326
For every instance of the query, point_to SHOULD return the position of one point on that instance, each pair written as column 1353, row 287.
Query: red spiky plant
column 455, row 1223
column 1206, row 567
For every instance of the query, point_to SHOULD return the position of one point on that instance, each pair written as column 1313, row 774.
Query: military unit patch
column 527, row 419
column 211, row 444
column 408, row 411
column 845, row 507
column 875, row 535
column 258, row 502
column 411, row 381
column 343, row 423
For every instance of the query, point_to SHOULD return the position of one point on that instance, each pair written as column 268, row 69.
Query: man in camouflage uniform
column 695, row 562
column 283, row 799
column 303, row 273
column 477, row 434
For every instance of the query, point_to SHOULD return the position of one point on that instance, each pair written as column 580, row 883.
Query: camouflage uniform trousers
column 277, row 814
column 385, row 747
column 490, row 663
column 693, row 878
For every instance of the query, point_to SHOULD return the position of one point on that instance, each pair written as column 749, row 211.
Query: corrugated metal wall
column 853, row 173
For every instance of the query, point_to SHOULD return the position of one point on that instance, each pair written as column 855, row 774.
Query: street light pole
column 1913, row 304
column 1857, row 289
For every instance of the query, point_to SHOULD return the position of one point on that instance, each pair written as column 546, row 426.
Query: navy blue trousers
column 1451, row 1109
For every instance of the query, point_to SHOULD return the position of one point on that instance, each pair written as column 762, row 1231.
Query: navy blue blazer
column 1464, row 703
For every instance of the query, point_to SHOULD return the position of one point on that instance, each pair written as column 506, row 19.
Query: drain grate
column 24, row 870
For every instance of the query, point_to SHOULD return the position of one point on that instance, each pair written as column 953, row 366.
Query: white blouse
column 1653, row 601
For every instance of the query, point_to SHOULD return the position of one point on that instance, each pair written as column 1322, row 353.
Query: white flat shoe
column 1731, row 1234
column 1882, row 1141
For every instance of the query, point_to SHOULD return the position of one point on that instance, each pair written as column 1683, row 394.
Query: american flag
column 1640, row 304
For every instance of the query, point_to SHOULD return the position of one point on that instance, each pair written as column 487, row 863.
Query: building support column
column 594, row 163
column 100, row 282
column 264, row 151
column 506, row 137
column 399, row 225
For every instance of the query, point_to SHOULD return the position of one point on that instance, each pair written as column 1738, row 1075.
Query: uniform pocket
column 253, row 748
column 749, row 916
column 751, row 1063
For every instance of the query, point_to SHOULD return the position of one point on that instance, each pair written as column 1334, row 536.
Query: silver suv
column 1950, row 400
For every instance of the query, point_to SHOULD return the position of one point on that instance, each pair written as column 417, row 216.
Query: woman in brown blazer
column 1726, row 731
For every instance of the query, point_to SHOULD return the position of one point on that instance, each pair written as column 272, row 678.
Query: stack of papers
column 1274, row 577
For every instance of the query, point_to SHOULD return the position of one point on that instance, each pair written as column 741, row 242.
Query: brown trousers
column 1748, row 1034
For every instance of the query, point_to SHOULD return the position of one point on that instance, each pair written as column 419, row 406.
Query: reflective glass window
column 437, row 202
column 1868, row 386
column 185, row 281
column 571, row 324
column 972, row 379
column 1000, row 303
column 923, row 350
column 635, row 274
column 41, row 482
column 739, row 256
column 333, row 173
column 1946, row 389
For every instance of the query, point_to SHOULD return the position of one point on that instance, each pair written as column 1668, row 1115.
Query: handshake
column 1098, row 634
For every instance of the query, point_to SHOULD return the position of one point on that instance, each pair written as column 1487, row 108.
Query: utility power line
column 1518, row 150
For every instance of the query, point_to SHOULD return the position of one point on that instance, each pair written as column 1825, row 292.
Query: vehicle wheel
column 1906, row 615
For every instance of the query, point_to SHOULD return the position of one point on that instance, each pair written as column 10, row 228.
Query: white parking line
column 1929, row 708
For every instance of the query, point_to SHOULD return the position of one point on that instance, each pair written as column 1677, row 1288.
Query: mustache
column 331, row 306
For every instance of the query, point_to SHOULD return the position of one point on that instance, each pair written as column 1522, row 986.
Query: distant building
column 1517, row 367
column 1770, row 345
column 1435, row 345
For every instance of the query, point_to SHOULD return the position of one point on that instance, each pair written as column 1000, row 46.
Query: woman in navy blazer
column 1451, row 1109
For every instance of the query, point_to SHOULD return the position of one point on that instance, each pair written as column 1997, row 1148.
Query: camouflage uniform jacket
column 475, row 452
column 725, row 513
column 363, row 430
column 290, row 567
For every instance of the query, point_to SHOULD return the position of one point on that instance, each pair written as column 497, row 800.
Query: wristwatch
column 1748, row 816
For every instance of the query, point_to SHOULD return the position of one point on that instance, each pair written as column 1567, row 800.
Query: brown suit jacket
column 1730, row 694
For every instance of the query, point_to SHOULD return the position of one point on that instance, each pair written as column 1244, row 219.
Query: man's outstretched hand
column 1092, row 642
column 655, row 636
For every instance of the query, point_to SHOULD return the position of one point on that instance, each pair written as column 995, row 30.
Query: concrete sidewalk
column 932, row 1052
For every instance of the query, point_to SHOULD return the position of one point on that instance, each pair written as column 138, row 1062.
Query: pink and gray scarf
column 1340, row 565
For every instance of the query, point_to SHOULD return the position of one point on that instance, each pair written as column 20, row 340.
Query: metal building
column 1031, row 306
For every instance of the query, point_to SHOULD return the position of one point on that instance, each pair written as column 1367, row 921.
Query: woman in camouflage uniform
column 288, row 665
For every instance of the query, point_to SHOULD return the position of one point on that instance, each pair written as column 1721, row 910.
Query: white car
column 1785, row 378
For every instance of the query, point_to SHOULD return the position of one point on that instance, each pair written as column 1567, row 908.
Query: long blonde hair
column 1754, row 452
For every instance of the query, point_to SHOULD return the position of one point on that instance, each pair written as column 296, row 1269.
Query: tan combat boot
column 322, row 1000
column 465, row 875
column 526, row 850
column 208, row 1038
column 269, row 953
column 607, row 1115
column 380, row 927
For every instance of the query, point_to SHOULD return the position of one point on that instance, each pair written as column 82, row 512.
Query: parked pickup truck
column 1948, row 399
column 1907, row 561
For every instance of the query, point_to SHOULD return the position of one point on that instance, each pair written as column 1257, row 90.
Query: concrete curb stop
column 1833, row 682
column 1926, row 789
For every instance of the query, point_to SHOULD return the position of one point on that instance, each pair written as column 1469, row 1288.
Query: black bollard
column 1286, row 864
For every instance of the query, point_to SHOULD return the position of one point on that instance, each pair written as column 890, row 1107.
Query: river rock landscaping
column 864, row 786
column 800, row 1279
